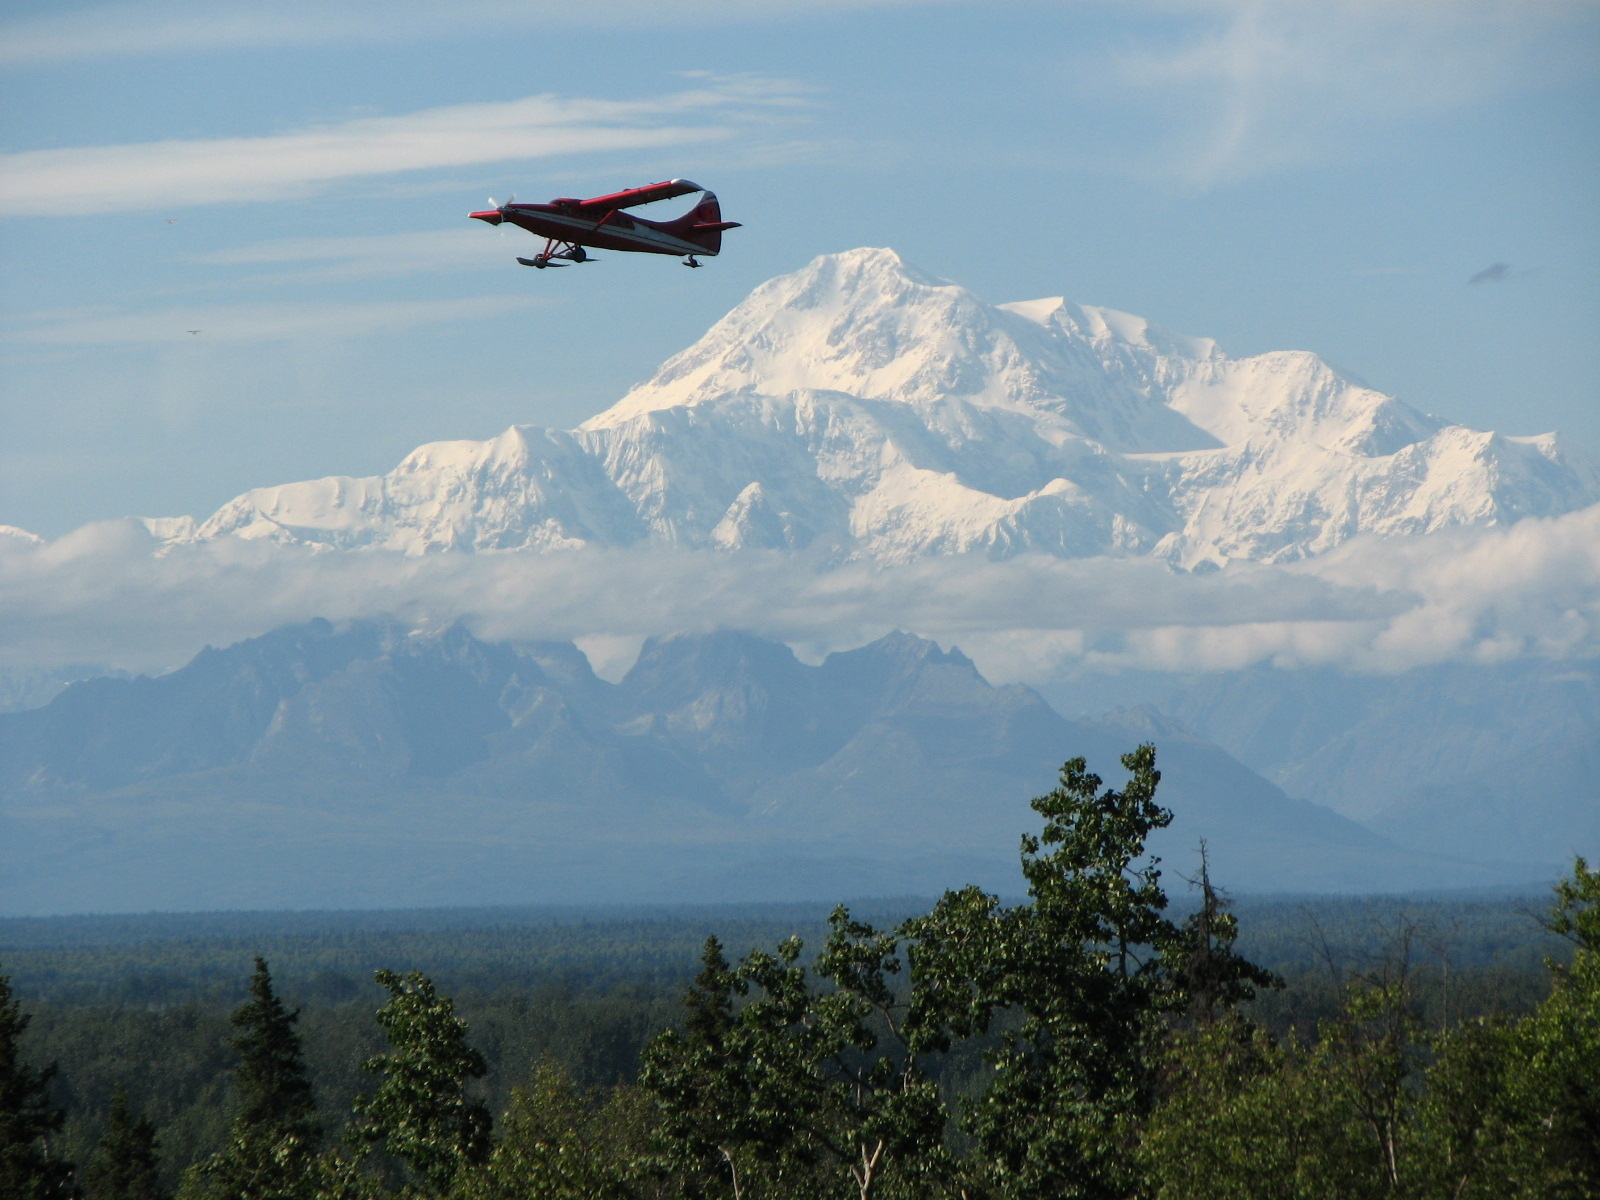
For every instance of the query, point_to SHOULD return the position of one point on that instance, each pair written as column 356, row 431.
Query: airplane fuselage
column 568, row 225
column 613, row 230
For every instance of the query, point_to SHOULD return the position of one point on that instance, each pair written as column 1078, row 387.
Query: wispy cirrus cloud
column 167, row 175
column 206, row 324
column 188, row 26
column 369, row 256
column 1247, row 87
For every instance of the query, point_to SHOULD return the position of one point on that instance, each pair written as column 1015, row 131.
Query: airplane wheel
column 578, row 254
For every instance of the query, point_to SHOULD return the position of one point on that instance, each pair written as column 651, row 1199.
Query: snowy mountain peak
column 1093, row 324
column 862, row 322
column 864, row 408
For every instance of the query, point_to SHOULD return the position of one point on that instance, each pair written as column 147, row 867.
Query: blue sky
column 293, row 180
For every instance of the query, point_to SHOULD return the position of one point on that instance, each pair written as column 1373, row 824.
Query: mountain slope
column 371, row 765
column 1464, row 759
column 1479, row 760
column 865, row 409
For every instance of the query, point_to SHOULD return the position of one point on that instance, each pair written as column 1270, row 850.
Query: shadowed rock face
column 367, row 764
column 365, row 695
column 862, row 409
column 213, row 712
column 374, row 698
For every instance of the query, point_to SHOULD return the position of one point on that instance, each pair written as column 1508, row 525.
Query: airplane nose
column 491, row 215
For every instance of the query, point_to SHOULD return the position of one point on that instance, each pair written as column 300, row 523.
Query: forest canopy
column 1090, row 1038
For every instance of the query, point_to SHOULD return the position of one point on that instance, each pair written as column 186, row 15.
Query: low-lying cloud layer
column 107, row 593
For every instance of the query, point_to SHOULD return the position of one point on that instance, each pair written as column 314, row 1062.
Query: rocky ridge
column 372, row 764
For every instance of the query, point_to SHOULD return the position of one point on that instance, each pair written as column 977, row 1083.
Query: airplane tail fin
column 703, row 224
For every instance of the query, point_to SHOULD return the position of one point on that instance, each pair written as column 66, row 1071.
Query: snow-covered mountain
column 862, row 408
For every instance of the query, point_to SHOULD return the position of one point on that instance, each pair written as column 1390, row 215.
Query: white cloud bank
column 105, row 594
column 169, row 175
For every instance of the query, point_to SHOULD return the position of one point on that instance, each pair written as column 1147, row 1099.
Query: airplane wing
column 633, row 197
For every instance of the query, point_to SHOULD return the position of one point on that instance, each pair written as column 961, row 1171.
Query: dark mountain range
column 371, row 765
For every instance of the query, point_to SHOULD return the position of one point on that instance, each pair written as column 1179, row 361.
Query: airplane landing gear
column 551, row 257
column 691, row 261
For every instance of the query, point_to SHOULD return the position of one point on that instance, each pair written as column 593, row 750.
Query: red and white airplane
column 569, row 225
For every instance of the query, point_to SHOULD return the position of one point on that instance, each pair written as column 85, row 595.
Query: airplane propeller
column 501, row 209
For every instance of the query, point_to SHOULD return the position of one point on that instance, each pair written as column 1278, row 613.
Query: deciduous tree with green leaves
column 741, row 1086
column 778, row 1086
column 1085, row 969
column 558, row 1142
column 1247, row 1116
column 1563, row 1044
column 890, row 1114
column 423, row 1112
column 1494, row 1109
column 1512, row 1108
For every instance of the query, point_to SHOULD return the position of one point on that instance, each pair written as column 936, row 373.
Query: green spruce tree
column 1214, row 979
column 708, row 1136
column 778, row 1087
column 276, row 1133
column 126, row 1164
column 27, row 1118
